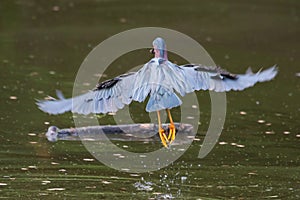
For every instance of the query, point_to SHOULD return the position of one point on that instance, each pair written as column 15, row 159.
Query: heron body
column 159, row 79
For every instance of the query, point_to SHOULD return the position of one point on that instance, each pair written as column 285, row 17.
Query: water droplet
column 286, row 132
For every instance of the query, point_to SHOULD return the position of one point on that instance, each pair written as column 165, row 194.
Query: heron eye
column 152, row 51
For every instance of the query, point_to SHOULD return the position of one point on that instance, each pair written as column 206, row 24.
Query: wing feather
column 220, row 80
column 108, row 96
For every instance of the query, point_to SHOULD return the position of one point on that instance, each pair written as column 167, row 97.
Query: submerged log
column 125, row 132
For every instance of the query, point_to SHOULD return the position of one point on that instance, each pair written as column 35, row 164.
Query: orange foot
column 163, row 137
column 172, row 133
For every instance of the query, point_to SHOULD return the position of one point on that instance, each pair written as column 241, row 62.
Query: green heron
column 160, row 79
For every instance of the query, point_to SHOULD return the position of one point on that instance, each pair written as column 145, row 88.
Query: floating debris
column 33, row 142
column 46, row 123
column 243, row 113
column 45, row 182
column 33, row 74
column 125, row 146
column 54, row 163
column 106, row 182
column 252, row 173
column 269, row 132
column 208, row 39
column 3, row 184
column 286, row 132
column 298, row 74
column 194, row 106
column 183, row 179
column 62, row 170
column 32, row 167
column 123, row 20
column 88, row 159
column 240, row 145
column 13, row 98
column 298, row 135
column 223, row 143
column 24, row 169
column 91, row 187
column 31, row 56
column 86, row 84
column 55, row 8
column 261, row 121
column 233, row 144
column 32, row 134
column 268, row 124
column 135, row 175
column 56, row 189
column 52, row 72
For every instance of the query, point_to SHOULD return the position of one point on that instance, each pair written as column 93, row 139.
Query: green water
column 43, row 43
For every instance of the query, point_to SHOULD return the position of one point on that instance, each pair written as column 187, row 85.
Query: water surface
column 42, row 45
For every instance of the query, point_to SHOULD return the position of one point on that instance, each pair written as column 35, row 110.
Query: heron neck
column 162, row 54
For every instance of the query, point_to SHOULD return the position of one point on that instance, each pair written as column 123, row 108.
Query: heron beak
column 152, row 51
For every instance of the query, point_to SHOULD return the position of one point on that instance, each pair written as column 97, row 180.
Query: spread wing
column 216, row 79
column 108, row 96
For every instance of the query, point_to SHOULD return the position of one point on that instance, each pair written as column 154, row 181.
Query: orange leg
column 161, row 132
column 172, row 132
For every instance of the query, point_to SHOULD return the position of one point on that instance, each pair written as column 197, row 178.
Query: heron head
column 159, row 48
column 52, row 133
